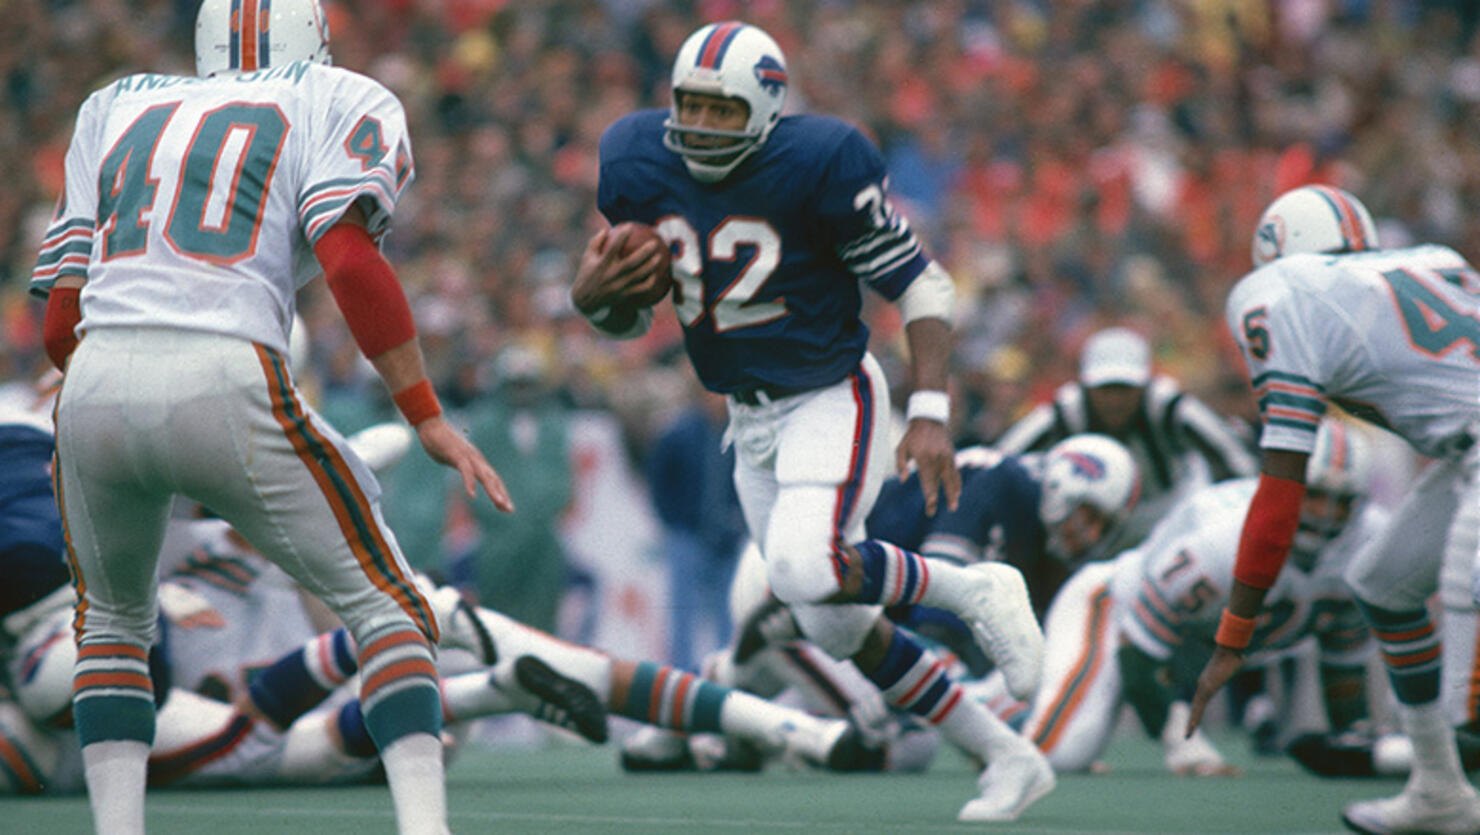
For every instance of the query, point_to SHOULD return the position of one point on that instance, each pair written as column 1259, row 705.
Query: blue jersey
column 767, row 261
column 997, row 518
column 32, row 550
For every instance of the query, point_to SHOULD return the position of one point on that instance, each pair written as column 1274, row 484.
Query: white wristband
column 929, row 405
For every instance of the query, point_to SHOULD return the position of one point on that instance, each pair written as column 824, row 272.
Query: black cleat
column 563, row 701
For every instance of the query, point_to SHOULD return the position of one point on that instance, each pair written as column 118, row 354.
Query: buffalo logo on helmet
column 1088, row 466
column 770, row 74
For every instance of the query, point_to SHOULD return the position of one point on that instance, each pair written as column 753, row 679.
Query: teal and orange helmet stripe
column 249, row 34
column 712, row 53
column 1353, row 234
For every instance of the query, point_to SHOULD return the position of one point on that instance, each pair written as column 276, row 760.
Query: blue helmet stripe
column 236, row 34
column 264, row 17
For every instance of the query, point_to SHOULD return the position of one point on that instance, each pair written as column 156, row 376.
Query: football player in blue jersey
column 772, row 224
column 1046, row 514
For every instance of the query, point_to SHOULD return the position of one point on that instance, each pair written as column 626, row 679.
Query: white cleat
column 1001, row 618
column 1455, row 813
column 1009, row 785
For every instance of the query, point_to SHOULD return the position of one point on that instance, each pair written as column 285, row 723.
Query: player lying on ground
column 1041, row 513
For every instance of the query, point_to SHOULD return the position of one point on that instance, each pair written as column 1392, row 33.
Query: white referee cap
column 1115, row 355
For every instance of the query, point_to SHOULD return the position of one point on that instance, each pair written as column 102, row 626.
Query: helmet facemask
column 729, row 61
column 1337, row 475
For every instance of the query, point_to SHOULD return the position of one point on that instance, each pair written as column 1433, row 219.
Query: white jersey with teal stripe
column 193, row 203
column 1175, row 592
column 1392, row 336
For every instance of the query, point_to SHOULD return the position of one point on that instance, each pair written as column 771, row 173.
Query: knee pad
column 799, row 571
column 840, row 629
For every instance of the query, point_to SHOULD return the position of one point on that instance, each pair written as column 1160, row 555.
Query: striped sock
column 915, row 680
column 670, row 698
column 892, row 576
column 112, row 694
column 1410, row 650
column 398, row 690
column 303, row 678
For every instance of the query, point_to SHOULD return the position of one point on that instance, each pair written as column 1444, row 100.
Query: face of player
column 1077, row 535
column 1115, row 404
column 701, row 110
column 1323, row 515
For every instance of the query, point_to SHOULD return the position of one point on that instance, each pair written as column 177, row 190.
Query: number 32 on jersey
column 735, row 306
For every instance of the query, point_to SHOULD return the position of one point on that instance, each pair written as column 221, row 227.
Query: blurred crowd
column 1073, row 164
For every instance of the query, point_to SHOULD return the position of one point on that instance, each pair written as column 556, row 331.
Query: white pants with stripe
column 807, row 470
column 1077, row 704
column 1431, row 546
column 146, row 414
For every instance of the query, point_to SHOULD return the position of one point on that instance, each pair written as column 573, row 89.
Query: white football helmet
column 733, row 60
column 1341, row 463
column 1313, row 219
column 1092, row 470
column 1339, row 470
column 248, row 35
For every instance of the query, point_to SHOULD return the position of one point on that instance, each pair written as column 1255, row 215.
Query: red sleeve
column 59, row 328
column 365, row 288
column 1274, row 515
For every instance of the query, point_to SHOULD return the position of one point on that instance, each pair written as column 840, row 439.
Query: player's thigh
column 749, row 589
column 1400, row 570
column 840, row 437
column 1074, row 712
column 310, row 505
column 113, row 494
column 755, row 487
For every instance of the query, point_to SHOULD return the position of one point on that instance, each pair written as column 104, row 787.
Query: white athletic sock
column 976, row 730
column 1436, row 766
column 948, row 586
column 413, row 767
column 117, row 773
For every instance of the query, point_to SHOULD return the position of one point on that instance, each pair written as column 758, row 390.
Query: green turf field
column 568, row 788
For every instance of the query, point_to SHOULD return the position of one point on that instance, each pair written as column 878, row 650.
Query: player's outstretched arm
column 374, row 306
column 402, row 369
column 927, row 440
column 1264, row 543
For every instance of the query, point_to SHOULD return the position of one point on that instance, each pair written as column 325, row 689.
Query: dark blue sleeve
column 628, row 175
column 874, row 241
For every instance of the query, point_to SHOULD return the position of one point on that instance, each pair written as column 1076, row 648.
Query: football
column 639, row 234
